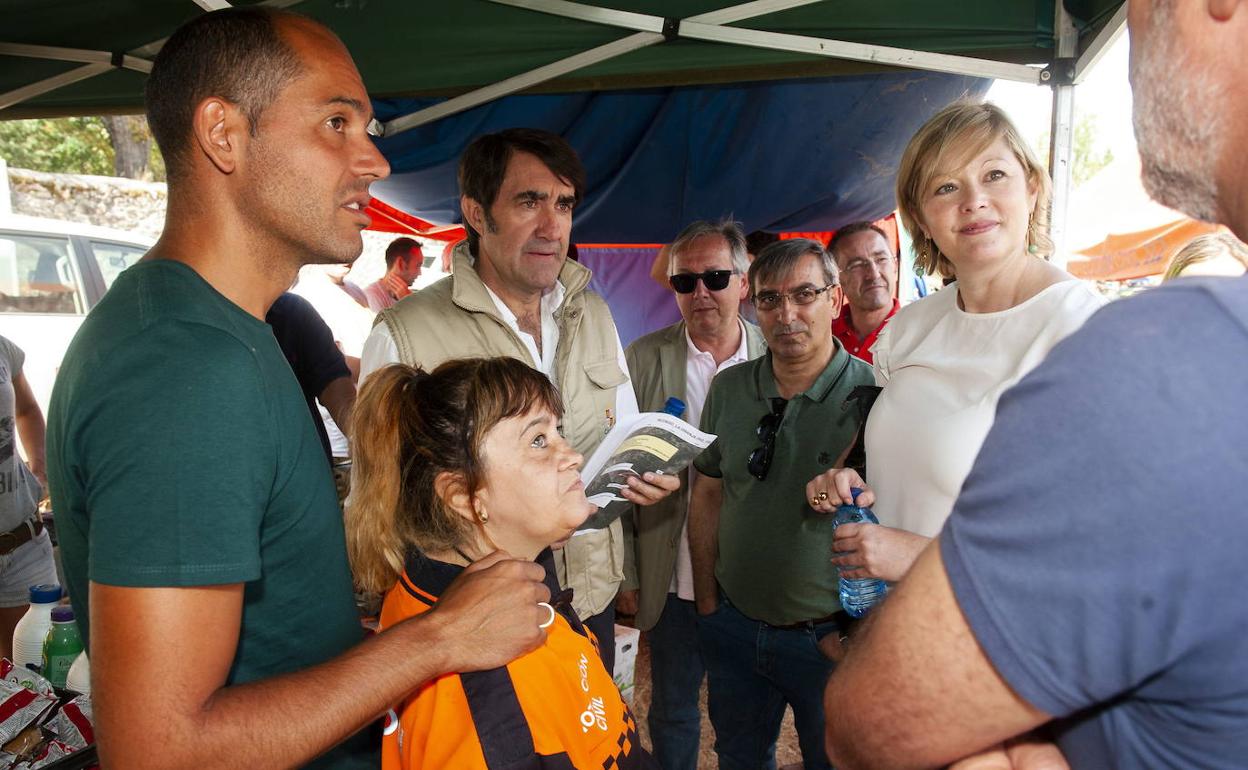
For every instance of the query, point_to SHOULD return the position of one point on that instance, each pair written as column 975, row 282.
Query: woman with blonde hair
column 1217, row 254
column 975, row 200
column 453, row 466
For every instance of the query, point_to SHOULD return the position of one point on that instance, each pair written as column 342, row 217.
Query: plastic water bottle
column 79, row 677
column 62, row 646
column 858, row 595
column 674, row 406
column 32, row 629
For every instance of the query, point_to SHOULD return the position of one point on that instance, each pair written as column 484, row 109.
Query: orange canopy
column 1135, row 255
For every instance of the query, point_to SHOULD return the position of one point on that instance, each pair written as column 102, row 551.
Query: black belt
column 20, row 535
column 841, row 618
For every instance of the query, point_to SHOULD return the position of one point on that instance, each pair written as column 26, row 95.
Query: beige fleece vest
column 457, row 318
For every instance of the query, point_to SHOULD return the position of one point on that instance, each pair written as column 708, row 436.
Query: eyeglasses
column 715, row 280
column 882, row 264
column 760, row 459
column 771, row 300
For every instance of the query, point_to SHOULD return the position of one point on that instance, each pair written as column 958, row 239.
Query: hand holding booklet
column 653, row 442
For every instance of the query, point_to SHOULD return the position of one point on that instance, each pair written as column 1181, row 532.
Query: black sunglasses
column 685, row 283
column 760, row 459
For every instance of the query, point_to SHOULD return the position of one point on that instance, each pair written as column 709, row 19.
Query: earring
column 483, row 516
column 1032, row 248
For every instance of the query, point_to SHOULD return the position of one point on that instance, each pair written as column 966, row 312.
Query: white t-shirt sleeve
column 379, row 350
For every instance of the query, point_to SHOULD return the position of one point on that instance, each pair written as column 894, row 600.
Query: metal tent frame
column 1067, row 68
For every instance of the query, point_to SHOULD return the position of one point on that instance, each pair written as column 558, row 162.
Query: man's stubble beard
column 1178, row 127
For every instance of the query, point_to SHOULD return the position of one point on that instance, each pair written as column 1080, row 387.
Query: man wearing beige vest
column 512, row 292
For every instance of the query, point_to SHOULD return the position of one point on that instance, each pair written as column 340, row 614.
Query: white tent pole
column 520, row 82
column 1104, row 39
column 81, row 55
column 1062, row 128
column 650, row 31
column 879, row 54
column 19, row 95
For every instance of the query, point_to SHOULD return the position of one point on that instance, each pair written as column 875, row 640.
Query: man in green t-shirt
column 764, row 586
column 201, row 537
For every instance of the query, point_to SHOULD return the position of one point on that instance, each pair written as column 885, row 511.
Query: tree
column 1088, row 156
column 69, row 145
column 120, row 146
column 132, row 144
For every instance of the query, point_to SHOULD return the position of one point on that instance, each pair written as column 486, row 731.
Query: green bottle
column 62, row 646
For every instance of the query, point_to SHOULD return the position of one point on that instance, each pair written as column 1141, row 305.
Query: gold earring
column 483, row 516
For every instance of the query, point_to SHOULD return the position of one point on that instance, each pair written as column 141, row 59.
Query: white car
column 51, row 274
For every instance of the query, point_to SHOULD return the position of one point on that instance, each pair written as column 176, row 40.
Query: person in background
column 975, row 198
column 765, row 592
column 404, row 261
column 451, row 466
column 308, row 346
column 706, row 271
column 1212, row 254
column 1090, row 575
column 337, row 274
column 25, row 548
column 868, row 269
column 513, row 292
column 201, row 537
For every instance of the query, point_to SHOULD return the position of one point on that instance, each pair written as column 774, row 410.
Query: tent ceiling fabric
column 408, row 49
column 794, row 155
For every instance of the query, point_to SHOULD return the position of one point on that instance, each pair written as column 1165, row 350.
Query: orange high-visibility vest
column 555, row 707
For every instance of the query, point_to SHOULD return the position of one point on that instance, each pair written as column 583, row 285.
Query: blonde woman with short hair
column 975, row 200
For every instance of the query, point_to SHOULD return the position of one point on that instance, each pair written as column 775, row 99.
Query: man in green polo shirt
column 199, row 526
column 765, row 589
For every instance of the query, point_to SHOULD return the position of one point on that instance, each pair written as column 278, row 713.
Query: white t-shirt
column 943, row 370
column 700, row 369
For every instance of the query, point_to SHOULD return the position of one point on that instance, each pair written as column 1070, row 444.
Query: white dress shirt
column 700, row 369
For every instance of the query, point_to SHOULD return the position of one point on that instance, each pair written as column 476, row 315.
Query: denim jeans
column 675, row 681
column 753, row 671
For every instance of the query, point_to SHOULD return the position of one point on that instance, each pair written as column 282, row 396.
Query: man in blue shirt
column 1090, row 578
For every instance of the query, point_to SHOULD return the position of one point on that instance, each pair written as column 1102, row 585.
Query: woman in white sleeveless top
column 975, row 199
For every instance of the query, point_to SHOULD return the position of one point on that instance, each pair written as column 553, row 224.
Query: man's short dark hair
column 758, row 240
column 399, row 247
column 484, row 165
column 780, row 258
column 237, row 54
column 853, row 228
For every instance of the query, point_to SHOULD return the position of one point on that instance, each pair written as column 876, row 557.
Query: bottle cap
column 854, row 492
column 63, row 613
column 46, row 593
column 674, row 406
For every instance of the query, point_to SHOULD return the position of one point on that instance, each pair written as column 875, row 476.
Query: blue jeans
column 753, row 671
column 675, row 679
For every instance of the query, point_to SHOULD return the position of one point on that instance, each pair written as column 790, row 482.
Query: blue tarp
column 778, row 156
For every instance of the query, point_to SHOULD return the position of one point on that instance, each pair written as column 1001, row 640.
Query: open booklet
column 650, row 441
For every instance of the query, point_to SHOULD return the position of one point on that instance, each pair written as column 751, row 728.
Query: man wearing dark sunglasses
column 706, row 267
column 764, row 587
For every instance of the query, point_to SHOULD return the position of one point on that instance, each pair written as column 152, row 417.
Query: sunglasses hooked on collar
column 714, row 280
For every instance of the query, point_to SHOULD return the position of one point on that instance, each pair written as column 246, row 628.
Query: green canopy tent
column 75, row 57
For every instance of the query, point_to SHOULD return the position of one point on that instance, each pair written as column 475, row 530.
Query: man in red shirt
column 869, row 279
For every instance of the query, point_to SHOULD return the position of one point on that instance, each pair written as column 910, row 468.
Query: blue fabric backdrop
column 778, row 156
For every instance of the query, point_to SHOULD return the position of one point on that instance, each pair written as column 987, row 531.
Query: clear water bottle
column 674, row 406
column 858, row 595
column 32, row 629
column 62, row 646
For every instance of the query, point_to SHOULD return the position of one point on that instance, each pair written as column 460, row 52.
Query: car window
column 37, row 275
column 113, row 258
